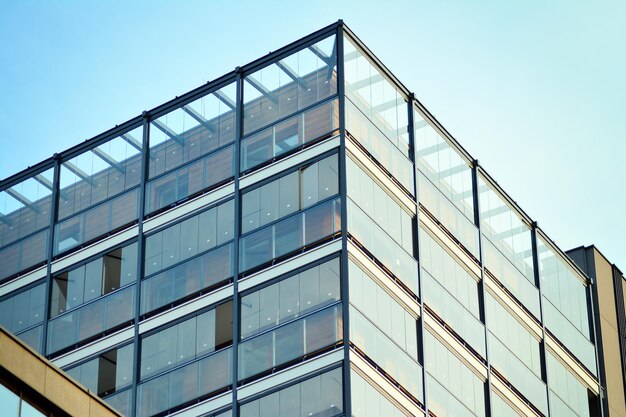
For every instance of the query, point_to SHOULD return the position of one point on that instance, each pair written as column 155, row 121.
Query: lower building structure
column 299, row 237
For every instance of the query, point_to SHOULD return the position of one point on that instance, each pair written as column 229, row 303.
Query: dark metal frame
column 237, row 77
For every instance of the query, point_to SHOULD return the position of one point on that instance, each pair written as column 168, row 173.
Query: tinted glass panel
column 187, row 340
column 23, row 310
column 188, row 238
column 290, row 85
column 289, row 135
column 290, row 342
column 96, row 222
column 192, row 131
column 108, row 373
column 317, row 396
column 101, row 276
column 92, row 320
column 100, row 173
column 25, row 208
column 201, row 378
column 290, row 193
column 287, row 236
column 200, row 175
column 288, row 299
column 24, row 254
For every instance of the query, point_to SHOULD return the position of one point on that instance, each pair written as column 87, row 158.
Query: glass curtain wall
column 187, row 258
column 99, row 191
column 566, row 305
column 319, row 395
column 444, row 184
column 22, row 313
column 377, row 116
column 191, row 149
column 24, row 224
column 296, row 317
column 298, row 209
column 384, row 331
column 185, row 361
column 507, row 247
column 381, row 225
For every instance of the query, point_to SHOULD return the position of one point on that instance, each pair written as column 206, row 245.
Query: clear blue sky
column 535, row 90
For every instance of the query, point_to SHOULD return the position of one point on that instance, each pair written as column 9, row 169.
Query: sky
column 535, row 90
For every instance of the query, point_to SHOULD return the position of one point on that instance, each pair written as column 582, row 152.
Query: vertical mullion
column 416, row 253
column 543, row 350
column 475, row 195
column 145, row 158
column 347, row 398
column 54, row 205
column 592, row 300
column 237, row 226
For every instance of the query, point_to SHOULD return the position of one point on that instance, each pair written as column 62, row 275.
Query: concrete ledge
column 34, row 371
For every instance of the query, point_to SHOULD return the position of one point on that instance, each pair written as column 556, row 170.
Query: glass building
column 299, row 237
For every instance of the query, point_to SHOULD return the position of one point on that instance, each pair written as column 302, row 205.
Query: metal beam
column 22, row 199
column 453, row 171
column 169, row 132
column 43, row 181
column 329, row 63
column 292, row 74
column 432, row 149
column 4, row 219
column 198, row 118
column 494, row 212
column 132, row 141
column 82, row 174
column 365, row 82
column 109, row 160
column 225, row 99
column 511, row 232
column 320, row 54
column 261, row 88
column 351, row 55
column 387, row 105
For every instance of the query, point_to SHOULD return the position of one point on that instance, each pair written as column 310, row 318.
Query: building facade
column 609, row 287
column 299, row 237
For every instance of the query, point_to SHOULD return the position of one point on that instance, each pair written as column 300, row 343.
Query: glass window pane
column 289, row 85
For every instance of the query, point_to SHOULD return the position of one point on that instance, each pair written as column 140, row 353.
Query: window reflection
column 185, row 341
column 289, row 135
column 290, row 85
column 286, row 300
column 317, row 396
column 293, row 192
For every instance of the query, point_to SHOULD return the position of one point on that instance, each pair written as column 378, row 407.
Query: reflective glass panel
column 100, row 173
column 187, row 340
column 289, row 85
column 566, row 304
column 289, row 135
column 320, row 395
column 286, row 300
column 25, row 208
column 192, row 131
